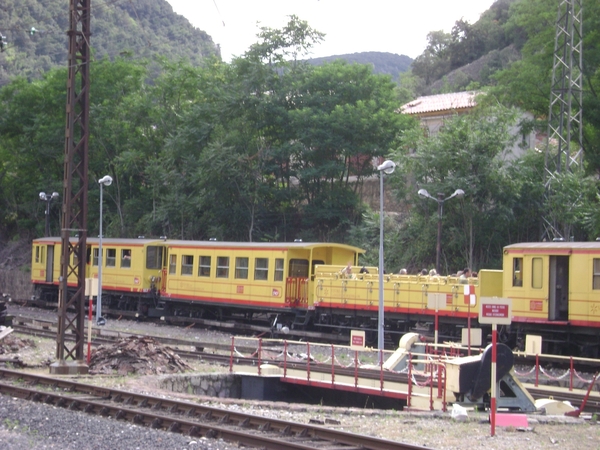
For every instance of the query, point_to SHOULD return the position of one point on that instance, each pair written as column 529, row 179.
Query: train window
column 126, row 257
column 95, row 257
column 187, row 265
column 154, row 257
column 172, row 264
column 37, row 253
column 204, row 268
column 596, row 280
column 298, row 267
column 517, row 271
column 241, row 268
column 261, row 269
column 222, row 266
column 43, row 256
column 279, row 269
column 536, row 273
column 111, row 257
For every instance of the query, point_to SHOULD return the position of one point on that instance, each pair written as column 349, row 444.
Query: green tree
column 31, row 147
column 465, row 154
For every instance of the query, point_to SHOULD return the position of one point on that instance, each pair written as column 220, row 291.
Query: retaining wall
column 212, row 385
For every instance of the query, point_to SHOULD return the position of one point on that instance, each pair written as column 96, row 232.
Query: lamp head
column 423, row 193
column 458, row 193
column 106, row 180
column 43, row 196
column 54, row 195
column 387, row 166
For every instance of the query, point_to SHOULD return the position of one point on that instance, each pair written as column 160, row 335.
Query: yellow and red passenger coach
column 554, row 288
column 222, row 280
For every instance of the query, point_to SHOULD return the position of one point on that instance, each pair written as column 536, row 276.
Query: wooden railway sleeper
column 74, row 406
column 157, row 406
column 244, row 423
column 156, row 423
column 211, row 434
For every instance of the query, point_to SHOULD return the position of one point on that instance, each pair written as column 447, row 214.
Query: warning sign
column 494, row 310
column 357, row 340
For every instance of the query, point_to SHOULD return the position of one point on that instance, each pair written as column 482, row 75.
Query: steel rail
column 178, row 416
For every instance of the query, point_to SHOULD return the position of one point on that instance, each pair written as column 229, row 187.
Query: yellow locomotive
column 554, row 287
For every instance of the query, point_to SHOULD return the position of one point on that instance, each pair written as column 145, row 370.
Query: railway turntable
column 410, row 376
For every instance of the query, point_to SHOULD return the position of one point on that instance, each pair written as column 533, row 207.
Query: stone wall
column 211, row 385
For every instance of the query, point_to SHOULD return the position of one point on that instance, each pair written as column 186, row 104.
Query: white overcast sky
column 395, row 26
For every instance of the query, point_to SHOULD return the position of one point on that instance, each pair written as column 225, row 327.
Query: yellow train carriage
column 352, row 301
column 130, row 266
column 248, row 276
column 554, row 283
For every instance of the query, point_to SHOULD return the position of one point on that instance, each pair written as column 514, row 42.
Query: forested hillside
column 35, row 32
column 470, row 53
column 382, row 62
column 272, row 148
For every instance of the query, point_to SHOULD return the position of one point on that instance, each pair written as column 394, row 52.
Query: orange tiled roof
column 441, row 102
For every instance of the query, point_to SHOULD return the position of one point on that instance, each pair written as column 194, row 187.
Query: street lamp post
column 440, row 201
column 387, row 167
column 106, row 180
column 48, row 198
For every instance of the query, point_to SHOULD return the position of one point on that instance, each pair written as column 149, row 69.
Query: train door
column 558, row 290
column 49, row 263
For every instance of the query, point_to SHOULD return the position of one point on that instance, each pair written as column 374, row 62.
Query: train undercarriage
column 559, row 340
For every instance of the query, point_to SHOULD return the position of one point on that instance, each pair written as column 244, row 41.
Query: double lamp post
column 440, row 201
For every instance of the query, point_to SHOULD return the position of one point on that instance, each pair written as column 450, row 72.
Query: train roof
column 554, row 246
column 105, row 241
column 209, row 244
column 262, row 245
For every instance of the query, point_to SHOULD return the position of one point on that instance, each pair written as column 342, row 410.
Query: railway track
column 220, row 353
column 239, row 328
column 185, row 417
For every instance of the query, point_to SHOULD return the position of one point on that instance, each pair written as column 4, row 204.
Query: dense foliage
column 268, row 147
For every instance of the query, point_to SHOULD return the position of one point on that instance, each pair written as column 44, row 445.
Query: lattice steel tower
column 564, row 149
column 71, row 303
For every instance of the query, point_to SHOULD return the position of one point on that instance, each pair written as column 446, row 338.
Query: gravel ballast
column 33, row 426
